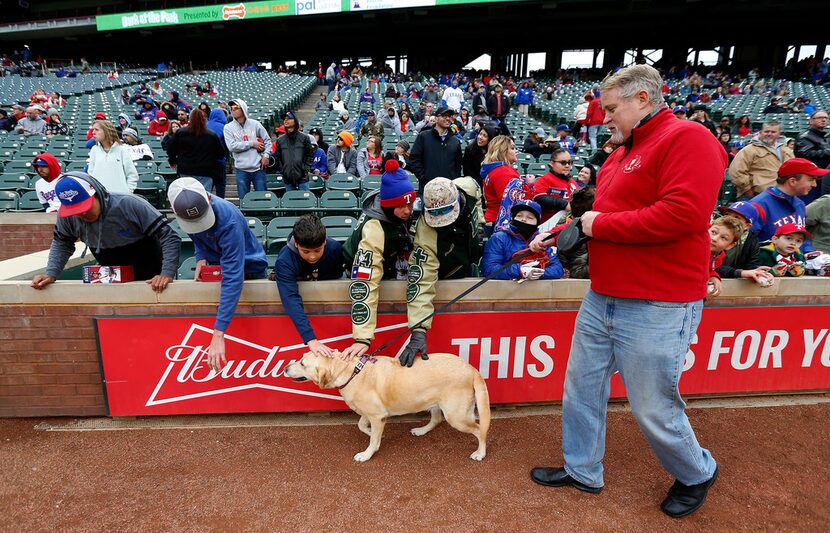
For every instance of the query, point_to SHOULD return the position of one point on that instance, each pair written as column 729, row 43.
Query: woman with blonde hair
column 496, row 172
column 109, row 161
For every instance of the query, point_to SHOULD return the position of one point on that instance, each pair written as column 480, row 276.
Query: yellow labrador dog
column 444, row 384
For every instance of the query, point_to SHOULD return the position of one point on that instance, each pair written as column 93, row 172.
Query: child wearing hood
column 49, row 170
column 319, row 163
column 159, row 125
column 216, row 123
column 124, row 122
column 516, row 237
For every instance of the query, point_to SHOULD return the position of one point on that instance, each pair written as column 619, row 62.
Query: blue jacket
column 499, row 250
column 231, row 244
column 216, row 123
column 524, row 96
column 291, row 268
column 320, row 161
column 776, row 209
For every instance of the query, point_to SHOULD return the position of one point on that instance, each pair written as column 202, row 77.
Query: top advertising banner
column 255, row 10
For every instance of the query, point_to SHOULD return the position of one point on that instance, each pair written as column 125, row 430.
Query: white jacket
column 114, row 169
column 581, row 111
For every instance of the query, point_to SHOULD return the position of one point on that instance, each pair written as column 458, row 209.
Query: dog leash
column 517, row 257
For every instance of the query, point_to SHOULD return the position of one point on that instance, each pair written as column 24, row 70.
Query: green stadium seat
column 371, row 182
column 261, row 204
column 338, row 202
column 296, row 203
column 14, row 181
column 20, row 165
column 258, row 229
column 339, row 221
column 316, row 184
column 187, row 270
column 152, row 187
column 343, row 182
column 8, row 200
column 29, row 202
column 277, row 232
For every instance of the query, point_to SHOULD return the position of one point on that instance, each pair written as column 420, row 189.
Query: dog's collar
column 365, row 358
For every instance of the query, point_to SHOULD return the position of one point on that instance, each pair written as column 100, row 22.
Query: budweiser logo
column 250, row 366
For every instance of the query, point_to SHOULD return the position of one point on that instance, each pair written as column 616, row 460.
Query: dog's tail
column 482, row 404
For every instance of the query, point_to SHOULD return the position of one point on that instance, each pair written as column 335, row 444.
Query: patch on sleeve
column 363, row 258
column 360, row 313
column 358, row 291
column 420, row 255
column 359, row 272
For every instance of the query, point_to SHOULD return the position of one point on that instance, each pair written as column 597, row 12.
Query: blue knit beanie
column 395, row 187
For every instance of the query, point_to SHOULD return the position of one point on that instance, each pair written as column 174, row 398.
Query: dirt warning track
column 775, row 467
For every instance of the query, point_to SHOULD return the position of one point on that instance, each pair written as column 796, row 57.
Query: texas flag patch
column 359, row 272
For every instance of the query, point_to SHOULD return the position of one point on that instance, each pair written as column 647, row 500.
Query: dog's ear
column 325, row 377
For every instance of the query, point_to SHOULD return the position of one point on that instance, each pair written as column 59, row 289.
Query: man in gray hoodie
column 120, row 229
column 250, row 145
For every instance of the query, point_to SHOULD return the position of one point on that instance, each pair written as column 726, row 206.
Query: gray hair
column 816, row 112
column 631, row 80
column 772, row 123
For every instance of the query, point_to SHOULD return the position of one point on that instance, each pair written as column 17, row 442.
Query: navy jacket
column 291, row 268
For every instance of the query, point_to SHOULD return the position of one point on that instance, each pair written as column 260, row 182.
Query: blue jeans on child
column 206, row 181
column 646, row 341
column 245, row 178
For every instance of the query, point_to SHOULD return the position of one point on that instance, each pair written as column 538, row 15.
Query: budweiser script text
column 193, row 365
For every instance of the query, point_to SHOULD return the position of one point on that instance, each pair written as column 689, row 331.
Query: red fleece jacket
column 656, row 196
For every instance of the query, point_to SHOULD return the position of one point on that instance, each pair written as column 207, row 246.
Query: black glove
column 417, row 344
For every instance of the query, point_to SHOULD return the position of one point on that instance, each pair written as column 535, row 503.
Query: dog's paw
column 362, row 457
column 419, row 432
column 477, row 455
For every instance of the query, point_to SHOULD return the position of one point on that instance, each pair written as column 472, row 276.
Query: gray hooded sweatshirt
column 129, row 231
column 239, row 138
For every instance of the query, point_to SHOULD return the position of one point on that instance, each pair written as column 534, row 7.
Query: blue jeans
column 299, row 187
column 244, row 179
column 592, row 136
column 646, row 341
column 206, row 181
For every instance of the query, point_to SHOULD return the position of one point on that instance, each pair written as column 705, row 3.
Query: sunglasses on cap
column 441, row 210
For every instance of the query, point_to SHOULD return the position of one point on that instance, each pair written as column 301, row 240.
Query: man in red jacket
column 654, row 197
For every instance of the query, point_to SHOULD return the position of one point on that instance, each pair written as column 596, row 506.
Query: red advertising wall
column 522, row 356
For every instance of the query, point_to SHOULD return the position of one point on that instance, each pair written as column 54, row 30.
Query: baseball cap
column 539, row 132
column 370, row 112
column 789, row 229
column 75, row 195
column 563, row 127
column 191, row 205
column 679, row 109
column 745, row 209
column 799, row 165
column 444, row 110
column 291, row 115
column 441, row 204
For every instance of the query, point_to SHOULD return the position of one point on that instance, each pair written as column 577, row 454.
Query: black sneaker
column 683, row 499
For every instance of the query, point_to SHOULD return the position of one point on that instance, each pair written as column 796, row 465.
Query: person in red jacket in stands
column 159, row 125
column 594, row 119
column 650, row 256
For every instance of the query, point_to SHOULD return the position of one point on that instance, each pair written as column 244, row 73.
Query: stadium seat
column 275, row 184
column 29, row 202
column 316, row 184
column 261, row 204
column 343, row 182
column 296, row 203
column 20, row 165
column 371, row 182
column 339, row 221
column 14, row 181
column 187, row 270
column 338, row 202
column 152, row 187
column 258, row 229
column 8, row 200
column 277, row 232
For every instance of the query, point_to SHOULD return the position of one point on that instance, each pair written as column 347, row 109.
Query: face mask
column 523, row 228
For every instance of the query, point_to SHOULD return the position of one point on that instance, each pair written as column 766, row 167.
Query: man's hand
column 355, row 350
column 536, row 245
column 216, row 351
column 318, row 348
column 760, row 275
column 258, row 145
column 199, row 264
column 316, row 171
column 159, row 282
column 42, row 280
column 417, row 344
column 264, row 162
column 588, row 222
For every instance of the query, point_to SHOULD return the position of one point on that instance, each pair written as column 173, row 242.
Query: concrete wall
column 48, row 353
